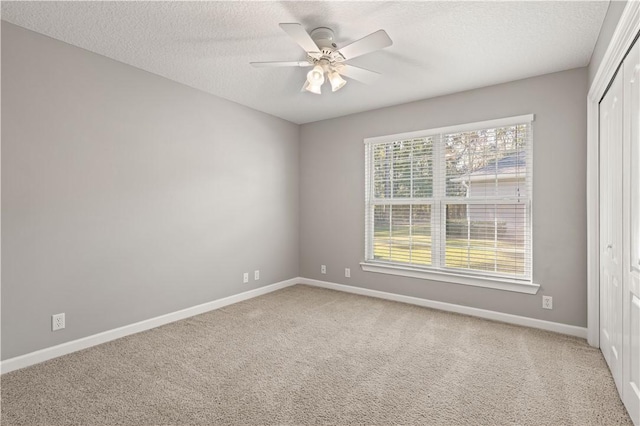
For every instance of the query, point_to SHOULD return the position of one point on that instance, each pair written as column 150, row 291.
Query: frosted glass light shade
column 316, row 76
column 337, row 82
column 313, row 88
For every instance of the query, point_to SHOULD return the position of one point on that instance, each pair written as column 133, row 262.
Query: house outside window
column 454, row 202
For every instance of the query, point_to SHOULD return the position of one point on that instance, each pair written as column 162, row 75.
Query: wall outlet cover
column 256, row 275
column 245, row 277
column 323, row 269
column 347, row 272
column 57, row 322
column 547, row 302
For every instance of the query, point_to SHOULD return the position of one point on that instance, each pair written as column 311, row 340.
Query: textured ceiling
column 439, row 47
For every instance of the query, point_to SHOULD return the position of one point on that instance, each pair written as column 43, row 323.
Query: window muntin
column 454, row 200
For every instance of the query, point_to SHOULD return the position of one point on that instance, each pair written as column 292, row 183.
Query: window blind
column 455, row 199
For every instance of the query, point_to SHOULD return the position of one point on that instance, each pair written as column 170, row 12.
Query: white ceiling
column 439, row 47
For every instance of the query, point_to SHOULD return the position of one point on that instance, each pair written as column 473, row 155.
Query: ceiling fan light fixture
column 313, row 88
column 337, row 82
column 316, row 76
column 323, row 55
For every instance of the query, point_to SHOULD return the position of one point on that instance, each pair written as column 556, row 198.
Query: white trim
column 479, row 125
column 448, row 277
column 556, row 327
column 593, row 220
column 623, row 36
column 45, row 354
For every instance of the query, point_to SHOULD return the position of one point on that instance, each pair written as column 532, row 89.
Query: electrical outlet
column 547, row 302
column 245, row 277
column 323, row 269
column 256, row 275
column 347, row 272
column 57, row 322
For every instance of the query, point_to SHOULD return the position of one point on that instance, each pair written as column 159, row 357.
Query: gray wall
column 126, row 196
column 616, row 7
column 332, row 192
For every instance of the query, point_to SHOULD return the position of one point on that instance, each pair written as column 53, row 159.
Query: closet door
column 611, row 133
column 631, row 223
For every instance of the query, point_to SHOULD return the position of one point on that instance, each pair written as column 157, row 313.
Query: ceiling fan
column 326, row 59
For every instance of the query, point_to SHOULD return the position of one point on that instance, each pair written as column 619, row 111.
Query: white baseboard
column 571, row 330
column 45, row 354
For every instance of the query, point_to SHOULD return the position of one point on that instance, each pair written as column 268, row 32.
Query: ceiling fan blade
column 360, row 74
column 300, row 36
column 281, row 64
column 374, row 41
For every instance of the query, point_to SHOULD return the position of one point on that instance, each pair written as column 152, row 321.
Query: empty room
column 320, row 212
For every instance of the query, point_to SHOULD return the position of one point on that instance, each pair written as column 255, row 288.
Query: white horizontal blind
column 452, row 200
column 402, row 197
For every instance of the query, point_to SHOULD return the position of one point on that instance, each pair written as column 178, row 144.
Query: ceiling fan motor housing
column 328, row 55
column 323, row 37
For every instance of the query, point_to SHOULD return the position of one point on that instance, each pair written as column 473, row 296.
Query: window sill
column 495, row 283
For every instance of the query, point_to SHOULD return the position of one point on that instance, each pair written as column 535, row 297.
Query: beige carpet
column 306, row 355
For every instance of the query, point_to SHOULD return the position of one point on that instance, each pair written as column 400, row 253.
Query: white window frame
column 473, row 278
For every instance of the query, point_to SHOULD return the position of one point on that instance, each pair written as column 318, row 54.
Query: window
column 453, row 201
